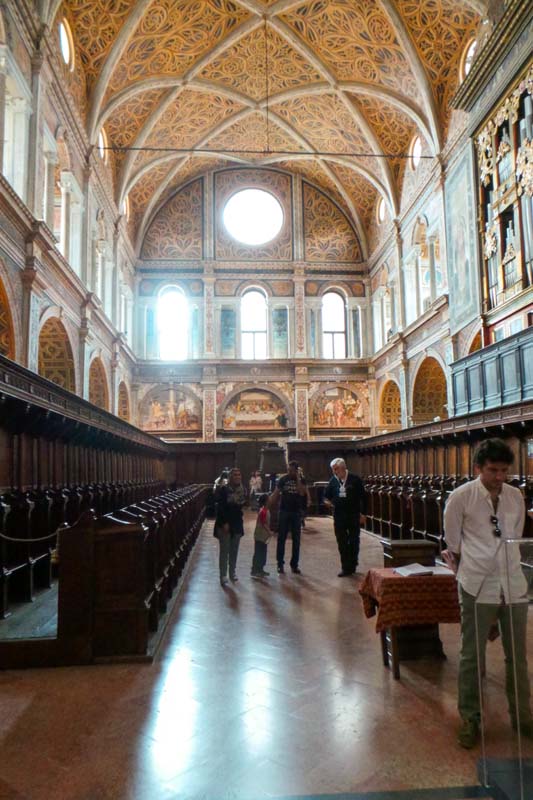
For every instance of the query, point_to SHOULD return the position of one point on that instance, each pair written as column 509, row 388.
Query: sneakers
column 296, row 570
column 468, row 734
column 223, row 581
column 281, row 569
column 261, row 574
column 233, row 578
column 343, row 574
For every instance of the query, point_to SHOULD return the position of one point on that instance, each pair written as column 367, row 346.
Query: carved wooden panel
column 176, row 231
column 429, row 392
column 123, row 402
column 227, row 183
column 98, row 389
column 390, row 410
column 55, row 355
column 328, row 235
column 7, row 335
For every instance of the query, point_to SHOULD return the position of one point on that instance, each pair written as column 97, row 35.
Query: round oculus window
column 253, row 216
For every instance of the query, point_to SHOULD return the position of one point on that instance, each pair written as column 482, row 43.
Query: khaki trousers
column 513, row 626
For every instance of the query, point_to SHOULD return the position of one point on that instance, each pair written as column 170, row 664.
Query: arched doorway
column 429, row 392
column 98, row 391
column 7, row 333
column 390, row 407
column 123, row 402
column 55, row 355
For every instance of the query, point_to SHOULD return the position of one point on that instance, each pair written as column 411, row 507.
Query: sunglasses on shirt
column 497, row 530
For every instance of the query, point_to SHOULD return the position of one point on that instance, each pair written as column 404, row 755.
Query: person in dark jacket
column 346, row 493
column 230, row 499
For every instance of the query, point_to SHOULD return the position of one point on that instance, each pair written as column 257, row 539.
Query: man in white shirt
column 492, row 587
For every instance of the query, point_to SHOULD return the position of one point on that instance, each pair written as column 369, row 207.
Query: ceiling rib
column 421, row 77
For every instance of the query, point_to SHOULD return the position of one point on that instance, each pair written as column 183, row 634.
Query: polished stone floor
column 268, row 688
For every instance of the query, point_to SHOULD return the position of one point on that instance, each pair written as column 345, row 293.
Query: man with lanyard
column 346, row 493
column 492, row 587
column 291, row 488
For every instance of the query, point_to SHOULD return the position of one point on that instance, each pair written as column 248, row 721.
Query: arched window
column 416, row 152
column 468, row 58
column 253, row 325
column 102, row 145
column 66, row 44
column 333, row 326
column 380, row 211
column 173, row 324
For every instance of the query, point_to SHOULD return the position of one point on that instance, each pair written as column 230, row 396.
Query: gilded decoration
column 328, row 235
column 326, row 123
column 361, row 192
column 506, row 111
column 209, row 425
column 171, row 37
column 339, row 407
column 491, row 243
column 357, row 42
column 429, row 392
column 184, row 123
column 98, row 391
column 255, row 409
column 390, row 408
column 440, row 29
column 7, row 336
column 141, row 194
column 123, row 402
column 524, row 168
column 242, row 66
column 170, row 409
column 176, row 232
column 124, row 124
column 251, row 133
column 394, row 130
column 95, row 25
column 55, row 355
column 227, row 182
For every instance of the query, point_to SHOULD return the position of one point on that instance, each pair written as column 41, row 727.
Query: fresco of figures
column 338, row 408
column 255, row 409
column 170, row 410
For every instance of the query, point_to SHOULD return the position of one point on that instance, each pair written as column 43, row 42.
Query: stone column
column 300, row 349
column 49, row 188
column 86, row 237
column 66, row 199
column 33, row 287
column 3, row 69
column 404, row 391
column 209, row 313
column 432, row 270
column 372, row 402
column 209, row 384
column 401, row 318
column 35, row 191
column 301, row 403
column 418, row 287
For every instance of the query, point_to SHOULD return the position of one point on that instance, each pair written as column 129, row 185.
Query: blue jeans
column 289, row 521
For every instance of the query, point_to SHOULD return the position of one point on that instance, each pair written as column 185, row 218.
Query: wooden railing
column 117, row 573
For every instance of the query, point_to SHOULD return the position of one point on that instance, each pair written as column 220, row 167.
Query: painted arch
column 55, row 359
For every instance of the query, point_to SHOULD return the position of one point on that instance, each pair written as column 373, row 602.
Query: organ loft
column 236, row 233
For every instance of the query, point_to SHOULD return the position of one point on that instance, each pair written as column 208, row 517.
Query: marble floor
column 266, row 689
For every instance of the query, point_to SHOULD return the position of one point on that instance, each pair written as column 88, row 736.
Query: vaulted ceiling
column 333, row 90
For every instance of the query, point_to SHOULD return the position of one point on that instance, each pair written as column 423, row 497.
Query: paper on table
column 420, row 569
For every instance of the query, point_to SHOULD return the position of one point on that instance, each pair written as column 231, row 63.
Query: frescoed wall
column 257, row 410
column 339, row 407
column 170, row 409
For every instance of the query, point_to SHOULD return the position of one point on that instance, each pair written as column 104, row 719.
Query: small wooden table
column 409, row 611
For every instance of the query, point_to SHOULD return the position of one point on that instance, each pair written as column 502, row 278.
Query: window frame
column 254, row 333
column 333, row 335
column 168, row 289
column 64, row 26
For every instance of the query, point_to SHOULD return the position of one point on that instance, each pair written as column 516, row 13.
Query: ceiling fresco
column 334, row 90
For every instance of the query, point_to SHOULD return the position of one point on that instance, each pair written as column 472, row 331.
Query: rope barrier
column 40, row 539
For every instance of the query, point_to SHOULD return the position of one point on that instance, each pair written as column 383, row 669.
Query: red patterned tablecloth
column 399, row 601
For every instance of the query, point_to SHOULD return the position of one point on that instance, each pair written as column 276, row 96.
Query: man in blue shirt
column 346, row 493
